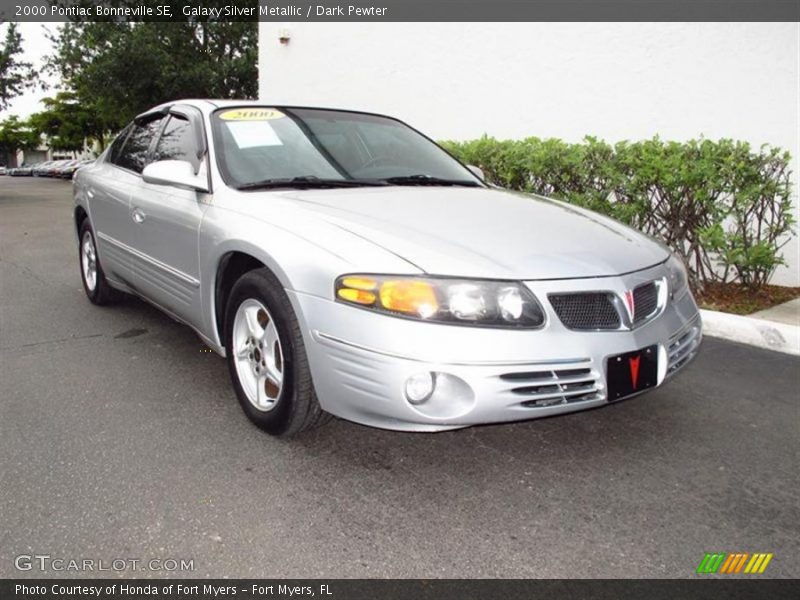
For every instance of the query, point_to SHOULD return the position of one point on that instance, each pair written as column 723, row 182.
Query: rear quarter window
column 134, row 153
column 116, row 145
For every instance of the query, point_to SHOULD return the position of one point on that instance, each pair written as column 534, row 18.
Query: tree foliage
column 120, row 69
column 15, row 75
column 15, row 135
column 67, row 123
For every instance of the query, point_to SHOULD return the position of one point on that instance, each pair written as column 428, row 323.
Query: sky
column 35, row 47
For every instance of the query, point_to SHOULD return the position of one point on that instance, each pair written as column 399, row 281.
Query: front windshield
column 262, row 144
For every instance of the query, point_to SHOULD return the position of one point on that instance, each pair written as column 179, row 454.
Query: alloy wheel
column 258, row 354
column 89, row 261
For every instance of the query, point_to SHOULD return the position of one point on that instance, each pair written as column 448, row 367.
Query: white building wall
column 615, row 81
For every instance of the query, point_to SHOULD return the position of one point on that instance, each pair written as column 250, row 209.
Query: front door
column 166, row 263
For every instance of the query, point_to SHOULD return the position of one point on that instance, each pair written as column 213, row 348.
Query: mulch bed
column 742, row 300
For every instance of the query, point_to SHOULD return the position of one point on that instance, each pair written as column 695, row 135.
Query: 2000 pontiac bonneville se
column 345, row 264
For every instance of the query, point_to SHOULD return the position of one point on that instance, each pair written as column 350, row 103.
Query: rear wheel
column 94, row 281
column 267, row 359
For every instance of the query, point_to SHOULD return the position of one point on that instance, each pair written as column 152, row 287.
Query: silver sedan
column 344, row 264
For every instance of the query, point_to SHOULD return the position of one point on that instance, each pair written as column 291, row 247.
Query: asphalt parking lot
column 120, row 437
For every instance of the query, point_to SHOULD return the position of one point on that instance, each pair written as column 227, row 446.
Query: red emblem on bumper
column 634, row 364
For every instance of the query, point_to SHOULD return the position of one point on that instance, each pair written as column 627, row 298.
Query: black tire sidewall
column 258, row 286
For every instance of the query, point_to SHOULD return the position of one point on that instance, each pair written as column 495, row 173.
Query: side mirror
column 477, row 171
column 177, row 173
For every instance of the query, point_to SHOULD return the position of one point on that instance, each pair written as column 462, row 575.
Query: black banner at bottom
column 393, row 589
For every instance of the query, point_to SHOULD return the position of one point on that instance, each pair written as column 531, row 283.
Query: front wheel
column 267, row 359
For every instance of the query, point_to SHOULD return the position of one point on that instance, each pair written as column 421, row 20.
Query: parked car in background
column 52, row 169
column 24, row 170
column 40, row 169
column 61, row 170
column 344, row 263
column 3, row 170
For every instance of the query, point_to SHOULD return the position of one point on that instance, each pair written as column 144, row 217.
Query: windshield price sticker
column 253, row 134
column 251, row 114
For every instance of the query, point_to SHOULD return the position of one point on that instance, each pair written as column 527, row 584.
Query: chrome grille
column 586, row 310
column 645, row 301
column 540, row 389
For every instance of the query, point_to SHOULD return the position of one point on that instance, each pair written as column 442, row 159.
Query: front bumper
column 360, row 360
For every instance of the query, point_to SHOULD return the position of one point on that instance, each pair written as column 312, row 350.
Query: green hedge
column 724, row 207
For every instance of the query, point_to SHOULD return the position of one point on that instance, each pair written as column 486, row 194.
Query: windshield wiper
column 306, row 182
column 427, row 180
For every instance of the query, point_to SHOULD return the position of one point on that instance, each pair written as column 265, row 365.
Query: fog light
column 419, row 387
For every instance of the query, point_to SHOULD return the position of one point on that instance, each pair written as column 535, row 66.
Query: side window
column 116, row 146
column 177, row 142
column 134, row 153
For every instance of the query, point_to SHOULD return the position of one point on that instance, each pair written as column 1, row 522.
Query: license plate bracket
column 631, row 372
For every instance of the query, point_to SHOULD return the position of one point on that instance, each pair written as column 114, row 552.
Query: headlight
column 442, row 300
column 678, row 280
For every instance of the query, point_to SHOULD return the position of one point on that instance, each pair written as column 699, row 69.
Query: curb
column 754, row 332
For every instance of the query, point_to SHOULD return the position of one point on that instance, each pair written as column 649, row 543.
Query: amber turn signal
column 358, row 296
column 359, row 283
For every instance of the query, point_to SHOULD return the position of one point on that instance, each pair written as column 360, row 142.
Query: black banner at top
column 400, row 10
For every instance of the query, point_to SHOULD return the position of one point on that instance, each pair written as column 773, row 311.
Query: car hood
column 478, row 232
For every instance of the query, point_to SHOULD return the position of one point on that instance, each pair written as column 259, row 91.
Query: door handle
column 138, row 215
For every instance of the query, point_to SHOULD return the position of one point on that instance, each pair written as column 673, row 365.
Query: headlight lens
column 442, row 300
column 678, row 279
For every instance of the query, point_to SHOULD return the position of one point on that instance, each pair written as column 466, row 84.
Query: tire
column 97, row 289
column 272, row 382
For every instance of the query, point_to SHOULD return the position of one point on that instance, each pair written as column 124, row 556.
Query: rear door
column 109, row 192
column 166, row 261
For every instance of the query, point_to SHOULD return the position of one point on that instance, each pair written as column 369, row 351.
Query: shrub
column 725, row 208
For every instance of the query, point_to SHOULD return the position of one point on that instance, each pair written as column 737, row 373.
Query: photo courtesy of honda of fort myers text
column 399, row 299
